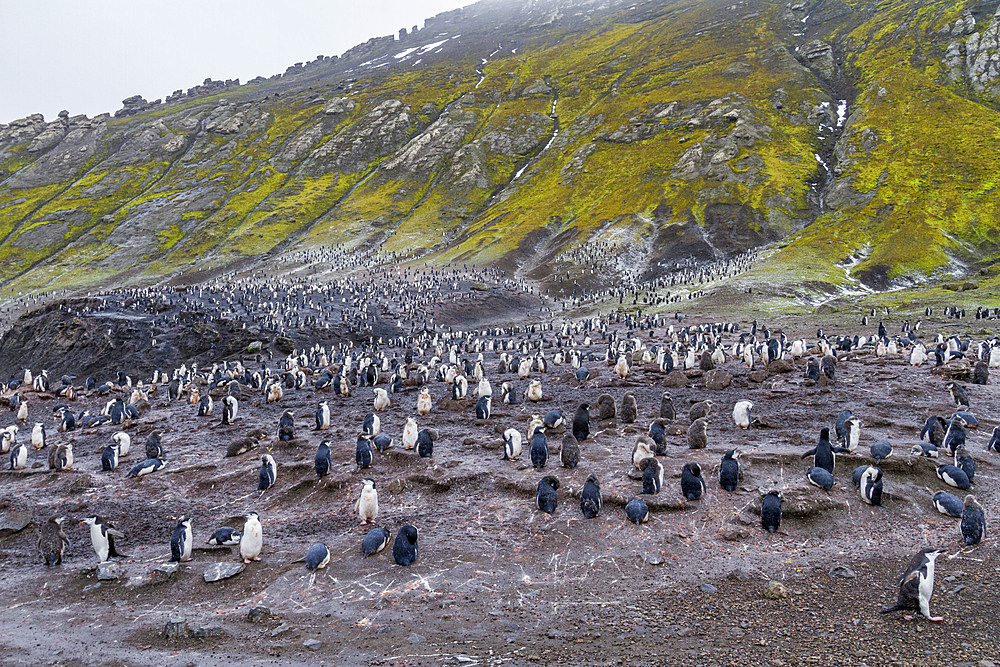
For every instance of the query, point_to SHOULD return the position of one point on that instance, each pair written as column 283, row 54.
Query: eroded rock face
column 820, row 57
column 971, row 56
column 982, row 61
column 379, row 133
column 339, row 105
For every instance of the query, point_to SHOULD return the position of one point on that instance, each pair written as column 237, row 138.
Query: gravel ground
column 497, row 582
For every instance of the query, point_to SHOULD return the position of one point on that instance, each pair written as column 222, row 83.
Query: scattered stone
column 176, row 627
column 842, row 571
column 208, row 631
column 738, row 575
column 281, row 629
column 82, row 483
column 396, row 487
column 165, row 570
column 258, row 614
column 709, row 588
column 653, row 558
column 91, row 587
column 108, row 571
column 775, row 590
column 312, row 644
column 220, row 571
column 734, row 534
column 758, row 375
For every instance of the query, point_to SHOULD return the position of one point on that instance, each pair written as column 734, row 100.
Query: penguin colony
column 417, row 375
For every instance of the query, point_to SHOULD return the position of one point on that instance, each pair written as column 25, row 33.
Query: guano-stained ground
column 497, row 582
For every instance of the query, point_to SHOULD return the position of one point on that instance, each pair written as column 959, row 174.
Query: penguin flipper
column 811, row 452
column 909, row 588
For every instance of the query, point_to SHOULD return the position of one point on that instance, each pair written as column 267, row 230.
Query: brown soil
column 497, row 582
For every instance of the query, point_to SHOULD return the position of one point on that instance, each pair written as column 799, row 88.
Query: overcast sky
column 86, row 56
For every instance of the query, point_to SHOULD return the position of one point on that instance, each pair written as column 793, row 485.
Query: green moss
column 930, row 178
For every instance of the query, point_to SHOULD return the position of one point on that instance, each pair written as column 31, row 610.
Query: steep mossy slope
column 855, row 136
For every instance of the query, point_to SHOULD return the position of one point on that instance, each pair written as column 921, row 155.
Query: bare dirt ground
column 498, row 582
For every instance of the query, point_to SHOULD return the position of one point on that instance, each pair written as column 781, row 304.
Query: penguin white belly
column 252, row 540
column 368, row 506
column 100, row 543
column 926, row 589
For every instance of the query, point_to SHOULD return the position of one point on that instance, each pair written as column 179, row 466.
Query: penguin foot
column 256, row 558
column 246, row 560
column 936, row 619
column 907, row 617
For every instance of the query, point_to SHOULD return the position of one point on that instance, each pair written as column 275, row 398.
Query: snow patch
column 430, row 47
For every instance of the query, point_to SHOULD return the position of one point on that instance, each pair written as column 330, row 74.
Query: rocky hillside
column 855, row 139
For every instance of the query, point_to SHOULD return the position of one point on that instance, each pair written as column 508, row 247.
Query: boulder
column 842, row 572
column 176, row 627
column 205, row 631
column 539, row 87
column 258, row 614
column 775, row 590
column 717, row 379
column 13, row 522
column 956, row 369
column 675, row 380
column 164, row 571
column 108, row 571
column 220, row 571
column 780, row 366
column 961, row 286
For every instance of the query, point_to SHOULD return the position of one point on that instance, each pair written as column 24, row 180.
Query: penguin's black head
column 594, row 480
column 410, row 533
column 551, row 481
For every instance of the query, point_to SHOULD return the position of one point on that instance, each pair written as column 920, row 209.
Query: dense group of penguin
column 448, row 365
